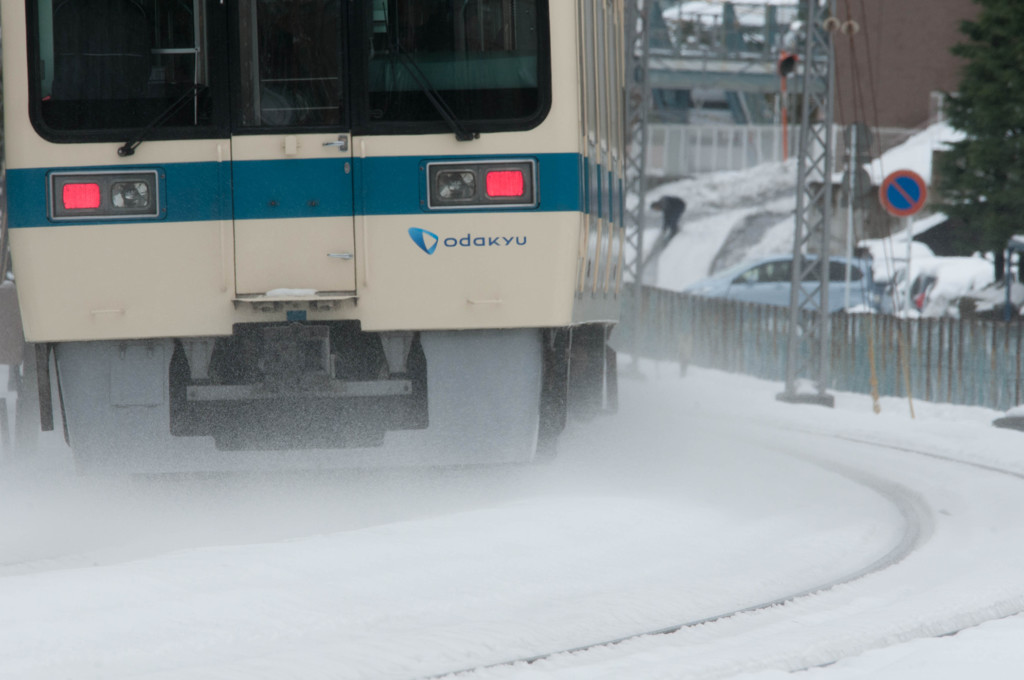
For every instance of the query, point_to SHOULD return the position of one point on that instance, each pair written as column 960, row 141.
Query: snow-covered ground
column 762, row 199
column 704, row 495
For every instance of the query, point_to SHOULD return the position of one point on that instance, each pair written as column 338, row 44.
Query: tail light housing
column 498, row 184
column 95, row 196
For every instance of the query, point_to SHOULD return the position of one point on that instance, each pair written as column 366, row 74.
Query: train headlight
column 499, row 184
column 104, row 195
column 133, row 195
column 456, row 185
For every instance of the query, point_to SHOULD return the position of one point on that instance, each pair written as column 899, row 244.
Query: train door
column 292, row 164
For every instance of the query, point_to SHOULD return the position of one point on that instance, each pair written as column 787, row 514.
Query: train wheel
column 554, row 396
column 592, row 386
column 611, row 377
column 26, row 408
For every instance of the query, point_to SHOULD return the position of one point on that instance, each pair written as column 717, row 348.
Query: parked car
column 894, row 299
column 768, row 281
column 938, row 286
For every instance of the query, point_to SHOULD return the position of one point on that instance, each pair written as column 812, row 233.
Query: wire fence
column 972, row 362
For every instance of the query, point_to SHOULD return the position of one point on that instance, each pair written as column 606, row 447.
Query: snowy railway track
column 926, row 454
column 727, row 549
column 917, row 518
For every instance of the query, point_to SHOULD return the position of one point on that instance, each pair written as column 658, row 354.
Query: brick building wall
column 899, row 57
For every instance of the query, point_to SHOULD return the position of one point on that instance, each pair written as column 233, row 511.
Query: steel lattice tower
column 809, row 329
column 638, row 95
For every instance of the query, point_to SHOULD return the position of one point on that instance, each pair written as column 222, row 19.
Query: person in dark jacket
column 672, row 208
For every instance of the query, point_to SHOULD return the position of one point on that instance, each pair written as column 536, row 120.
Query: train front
column 311, row 232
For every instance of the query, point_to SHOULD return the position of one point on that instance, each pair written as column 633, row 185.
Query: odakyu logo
column 428, row 241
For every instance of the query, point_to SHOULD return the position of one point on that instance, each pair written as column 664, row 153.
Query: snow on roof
column 914, row 154
column 923, row 224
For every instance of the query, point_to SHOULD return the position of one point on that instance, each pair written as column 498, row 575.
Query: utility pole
column 809, row 328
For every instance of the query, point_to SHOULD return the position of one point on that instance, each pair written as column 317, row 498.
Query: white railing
column 676, row 150
column 682, row 150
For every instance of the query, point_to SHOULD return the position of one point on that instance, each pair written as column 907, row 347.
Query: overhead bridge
column 732, row 47
column 732, row 75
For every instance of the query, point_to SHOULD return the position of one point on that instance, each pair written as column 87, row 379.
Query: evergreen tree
column 981, row 179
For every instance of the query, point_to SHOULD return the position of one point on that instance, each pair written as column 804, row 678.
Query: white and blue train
column 314, row 232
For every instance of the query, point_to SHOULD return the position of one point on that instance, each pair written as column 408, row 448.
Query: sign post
column 903, row 194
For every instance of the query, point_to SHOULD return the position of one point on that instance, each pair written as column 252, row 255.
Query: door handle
column 341, row 256
column 341, row 144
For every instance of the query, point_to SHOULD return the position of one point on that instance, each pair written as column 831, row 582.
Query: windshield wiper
column 129, row 147
column 434, row 97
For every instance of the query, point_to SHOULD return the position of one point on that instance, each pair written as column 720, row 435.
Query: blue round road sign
column 903, row 193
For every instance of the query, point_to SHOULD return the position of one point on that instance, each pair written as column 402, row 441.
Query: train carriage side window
column 115, row 65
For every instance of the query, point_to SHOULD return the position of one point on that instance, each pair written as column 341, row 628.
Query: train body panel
column 370, row 191
column 484, row 270
column 123, row 281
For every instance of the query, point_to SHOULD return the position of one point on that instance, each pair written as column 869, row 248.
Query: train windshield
column 110, row 64
column 480, row 57
column 177, row 67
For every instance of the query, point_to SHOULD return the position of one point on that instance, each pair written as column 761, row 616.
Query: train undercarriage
column 284, row 396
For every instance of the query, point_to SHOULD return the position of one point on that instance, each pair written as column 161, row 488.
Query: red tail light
column 81, row 196
column 505, row 183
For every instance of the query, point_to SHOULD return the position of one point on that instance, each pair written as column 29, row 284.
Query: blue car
column 767, row 281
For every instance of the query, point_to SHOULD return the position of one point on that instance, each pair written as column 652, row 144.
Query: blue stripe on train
column 293, row 188
column 195, row 186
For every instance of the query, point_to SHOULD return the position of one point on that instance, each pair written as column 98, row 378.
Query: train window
column 484, row 60
column 117, row 64
column 100, row 68
column 291, row 60
column 590, row 87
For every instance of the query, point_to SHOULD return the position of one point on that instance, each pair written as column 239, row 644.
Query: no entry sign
column 903, row 193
